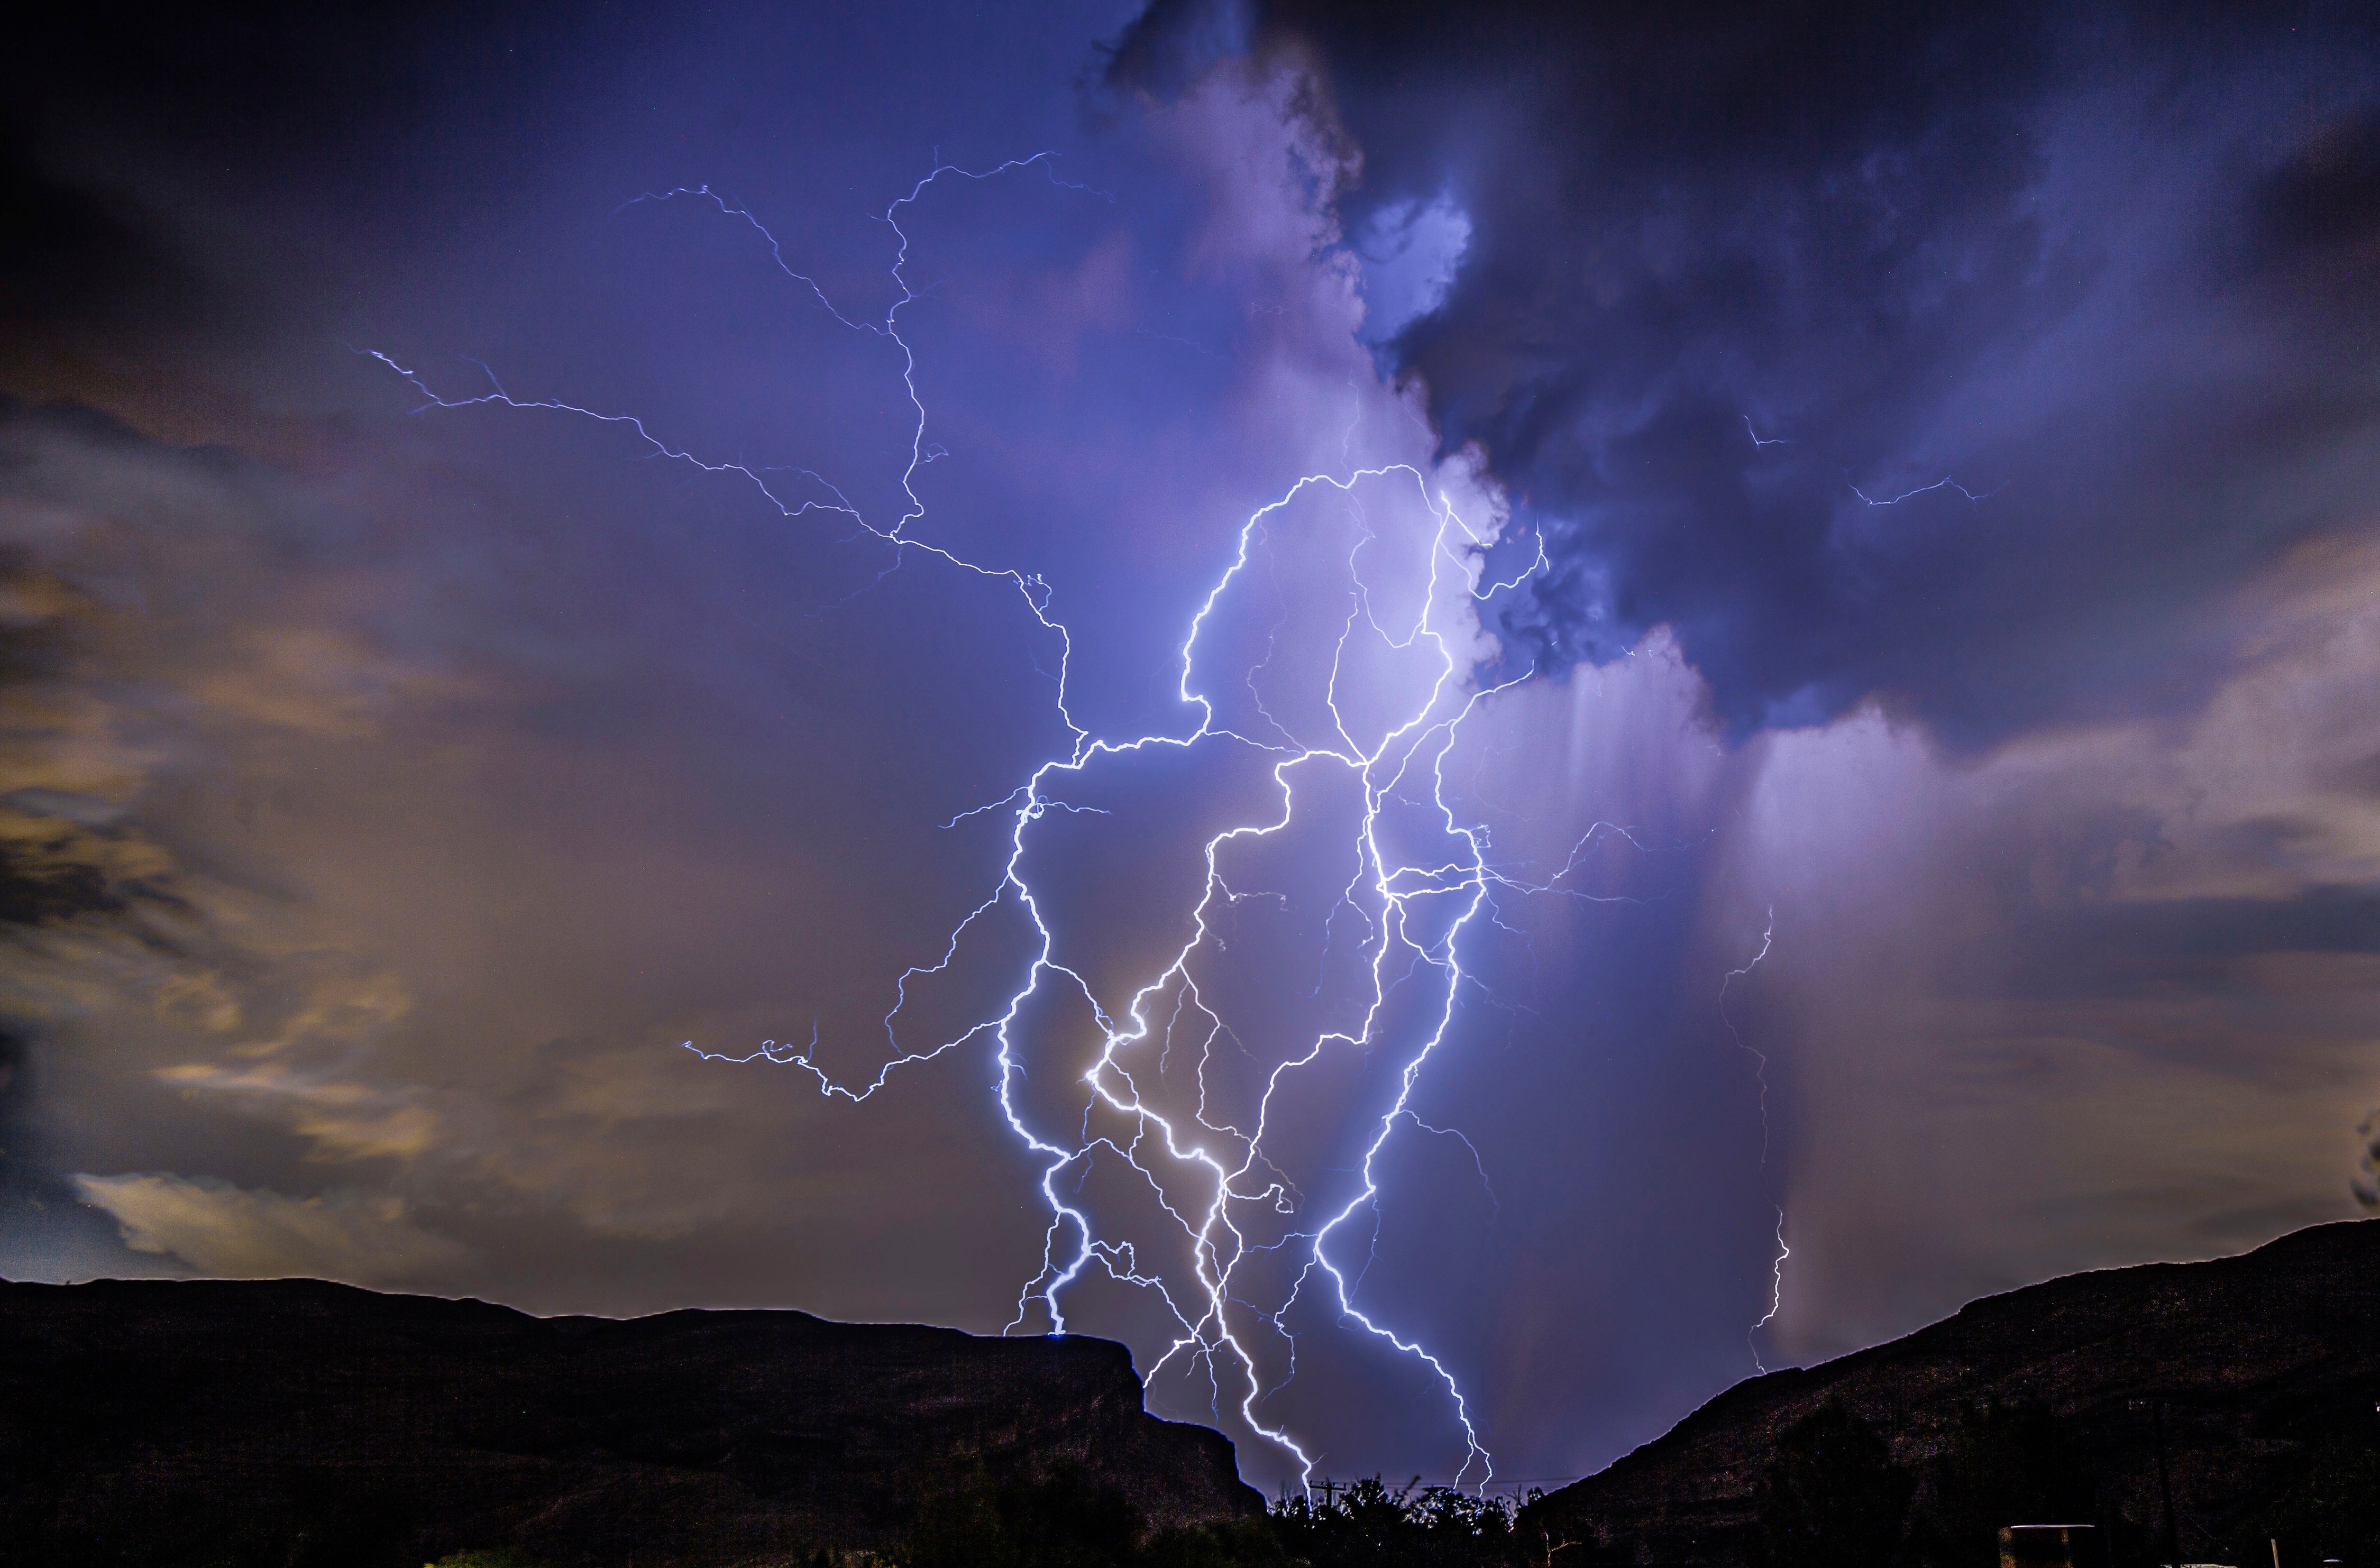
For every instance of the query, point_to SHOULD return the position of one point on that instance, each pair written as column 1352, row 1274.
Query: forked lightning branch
column 1409, row 899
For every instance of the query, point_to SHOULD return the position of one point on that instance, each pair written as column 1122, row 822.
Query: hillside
column 294, row 1422
column 2264, row 1371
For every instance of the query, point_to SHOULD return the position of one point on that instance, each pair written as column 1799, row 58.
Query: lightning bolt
column 1760, row 1071
column 1415, row 904
column 1776, row 1293
column 1945, row 482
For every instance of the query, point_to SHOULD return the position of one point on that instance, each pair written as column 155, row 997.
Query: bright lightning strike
column 1776, row 1293
column 1415, row 892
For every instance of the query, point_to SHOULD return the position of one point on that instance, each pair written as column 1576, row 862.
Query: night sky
column 1839, row 594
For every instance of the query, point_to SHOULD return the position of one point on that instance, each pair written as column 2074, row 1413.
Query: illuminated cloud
column 1410, row 251
column 229, row 1233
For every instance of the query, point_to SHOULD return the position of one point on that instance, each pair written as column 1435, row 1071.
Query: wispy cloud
column 233, row 1233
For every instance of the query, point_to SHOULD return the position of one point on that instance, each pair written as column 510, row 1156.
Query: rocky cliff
column 293, row 1423
column 2250, row 1373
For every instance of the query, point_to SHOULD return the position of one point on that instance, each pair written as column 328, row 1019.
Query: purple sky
column 1928, row 805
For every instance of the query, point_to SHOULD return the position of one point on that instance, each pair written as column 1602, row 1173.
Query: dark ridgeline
column 2247, row 1387
column 292, row 1423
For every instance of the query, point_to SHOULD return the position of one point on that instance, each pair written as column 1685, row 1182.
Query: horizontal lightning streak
column 1945, row 482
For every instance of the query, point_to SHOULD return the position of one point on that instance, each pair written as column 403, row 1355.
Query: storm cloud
column 1932, row 792
column 1952, row 357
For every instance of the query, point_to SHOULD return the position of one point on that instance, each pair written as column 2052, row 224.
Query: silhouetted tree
column 1375, row 1525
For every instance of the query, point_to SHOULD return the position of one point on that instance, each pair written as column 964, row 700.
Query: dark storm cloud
column 2085, row 302
column 323, row 91
column 76, row 261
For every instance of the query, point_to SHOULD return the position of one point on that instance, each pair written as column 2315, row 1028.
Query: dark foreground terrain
column 295, row 1423
column 2261, row 1373
column 292, row 1424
